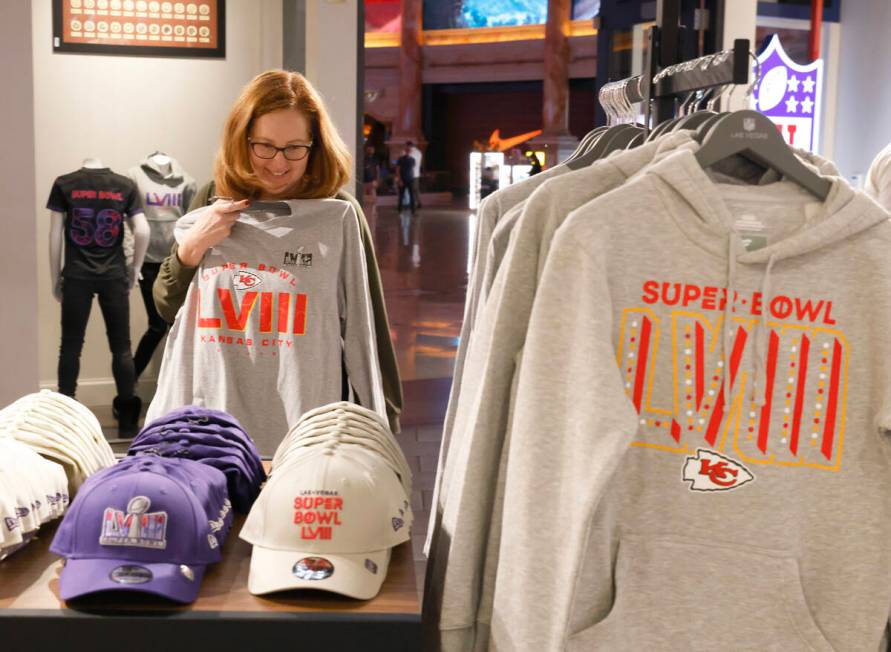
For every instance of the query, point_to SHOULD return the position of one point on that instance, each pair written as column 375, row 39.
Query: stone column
column 555, row 139
column 408, row 122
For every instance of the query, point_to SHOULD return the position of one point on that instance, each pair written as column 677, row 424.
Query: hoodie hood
column 165, row 195
column 173, row 174
column 842, row 215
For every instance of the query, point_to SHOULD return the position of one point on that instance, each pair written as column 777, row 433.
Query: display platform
column 225, row 616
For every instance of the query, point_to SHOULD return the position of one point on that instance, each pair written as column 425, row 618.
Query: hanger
column 274, row 207
column 704, row 127
column 754, row 136
column 615, row 102
column 585, row 143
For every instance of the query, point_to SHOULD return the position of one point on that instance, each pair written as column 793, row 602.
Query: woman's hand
column 212, row 227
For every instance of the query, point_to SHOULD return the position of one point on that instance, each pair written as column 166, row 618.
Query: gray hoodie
column 165, row 196
column 272, row 313
column 654, row 502
column 460, row 571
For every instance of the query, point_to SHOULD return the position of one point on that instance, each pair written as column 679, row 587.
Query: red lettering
column 650, row 292
column 323, row 533
column 330, row 518
column 691, row 294
column 827, row 319
column 284, row 303
column 233, row 322
column 266, row 312
column 781, row 307
column 205, row 322
column 756, row 304
column 792, row 129
column 709, row 297
column 677, row 293
column 807, row 309
column 300, row 315
column 718, row 473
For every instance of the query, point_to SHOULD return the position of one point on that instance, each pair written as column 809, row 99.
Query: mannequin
column 163, row 162
column 165, row 190
column 88, row 208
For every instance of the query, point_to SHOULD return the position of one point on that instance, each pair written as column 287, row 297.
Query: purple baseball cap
column 207, row 483
column 224, row 437
column 139, row 527
column 244, row 486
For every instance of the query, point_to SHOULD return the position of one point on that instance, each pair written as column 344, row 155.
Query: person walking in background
column 370, row 175
column 416, row 154
column 535, row 163
column 405, row 179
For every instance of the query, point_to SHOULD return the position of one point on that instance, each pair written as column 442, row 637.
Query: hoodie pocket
column 673, row 594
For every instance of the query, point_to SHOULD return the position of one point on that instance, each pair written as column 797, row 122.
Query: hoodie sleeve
column 572, row 424
column 357, row 321
column 878, row 179
column 486, row 217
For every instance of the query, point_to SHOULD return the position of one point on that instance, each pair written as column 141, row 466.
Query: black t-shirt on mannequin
column 95, row 202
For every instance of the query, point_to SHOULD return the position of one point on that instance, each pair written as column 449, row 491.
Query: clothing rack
column 660, row 91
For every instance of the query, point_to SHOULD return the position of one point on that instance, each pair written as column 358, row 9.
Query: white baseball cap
column 347, row 436
column 61, row 429
column 343, row 415
column 327, row 520
column 26, row 483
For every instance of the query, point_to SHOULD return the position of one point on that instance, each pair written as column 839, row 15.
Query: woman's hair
column 329, row 165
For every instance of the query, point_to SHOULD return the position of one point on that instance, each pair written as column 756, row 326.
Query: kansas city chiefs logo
column 710, row 471
column 246, row 280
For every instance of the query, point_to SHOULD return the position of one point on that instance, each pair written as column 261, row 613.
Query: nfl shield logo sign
column 749, row 124
column 789, row 94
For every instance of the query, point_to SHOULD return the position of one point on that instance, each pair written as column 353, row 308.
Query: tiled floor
column 423, row 261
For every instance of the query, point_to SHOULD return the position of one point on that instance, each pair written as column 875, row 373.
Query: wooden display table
column 225, row 616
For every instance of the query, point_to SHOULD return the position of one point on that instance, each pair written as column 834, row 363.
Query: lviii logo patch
column 711, row 471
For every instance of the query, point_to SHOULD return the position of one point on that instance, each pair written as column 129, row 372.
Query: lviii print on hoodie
column 675, row 336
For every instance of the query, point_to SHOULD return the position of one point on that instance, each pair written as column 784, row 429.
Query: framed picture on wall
column 140, row 27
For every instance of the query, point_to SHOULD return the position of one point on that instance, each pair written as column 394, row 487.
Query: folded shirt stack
column 213, row 438
column 148, row 524
column 33, row 491
column 336, row 503
column 61, row 430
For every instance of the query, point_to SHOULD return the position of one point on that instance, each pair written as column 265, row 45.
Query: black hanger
column 589, row 138
column 754, row 136
column 274, row 207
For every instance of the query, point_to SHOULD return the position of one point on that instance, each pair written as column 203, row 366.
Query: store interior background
column 59, row 109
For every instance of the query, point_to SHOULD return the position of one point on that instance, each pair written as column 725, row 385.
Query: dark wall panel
column 457, row 114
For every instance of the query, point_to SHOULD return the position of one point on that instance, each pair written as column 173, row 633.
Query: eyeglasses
column 291, row 152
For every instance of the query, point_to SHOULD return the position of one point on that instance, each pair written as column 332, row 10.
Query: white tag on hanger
column 752, row 231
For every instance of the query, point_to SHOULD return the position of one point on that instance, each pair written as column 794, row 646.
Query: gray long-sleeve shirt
column 272, row 313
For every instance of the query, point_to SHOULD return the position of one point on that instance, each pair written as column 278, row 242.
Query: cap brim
column 358, row 575
column 82, row 577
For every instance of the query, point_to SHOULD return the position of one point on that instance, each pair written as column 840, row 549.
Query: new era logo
column 298, row 258
column 711, row 471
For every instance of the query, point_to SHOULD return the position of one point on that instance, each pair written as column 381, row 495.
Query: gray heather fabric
column 455, row 568
column 492, row 368
column 490, row 211
column 878, row 179
column 268, row 318
column 165, row 197
column 644, row 511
